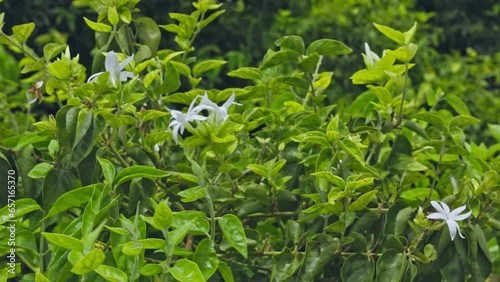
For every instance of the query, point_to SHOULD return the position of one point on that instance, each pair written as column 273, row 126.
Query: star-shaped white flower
column 451, row 218
column 220, row 113
column 370, row 58
column 179, row 120
column 115, row 69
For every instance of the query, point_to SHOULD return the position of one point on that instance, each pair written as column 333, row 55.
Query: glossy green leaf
column 233, row 232
column 66, row 121
column 207, row 65
column 151, row 269
column 192, row 194
column 113, row 15
column 405, row 162
column 352, row 149
column 205, row 257
column 22, row 207
column 334, row 179
column 51, row 50
column 71, row 199
column 111, row 273
column 99, row 27
column 90, row 262
column 430, row 117
column 457, row 104
column 395, row 35
column 39, row 277
column 357, row 268
column 64, row 241
column 463, row 121
column 361, row 202
column 22, row 32
column 138, row 171
column 259, row 169
column 328, row 47
column 279, row 58
column 225, row 272
column 163, row 216
column 187, row 271
column 291, row 42
column 247, row 73
column 391, row 266
column 285, row 265
column 108, row 170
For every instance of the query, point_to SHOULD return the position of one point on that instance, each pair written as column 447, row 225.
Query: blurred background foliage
column 458, row 42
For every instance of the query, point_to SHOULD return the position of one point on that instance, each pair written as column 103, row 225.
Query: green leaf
column 51, row 50
column 206, row 66
column 99, row 27
column 192, row 194
column 113, row 15
column 357, row 268
column 308, row 63
column 22, row 32
column 39, row 277
column 86, row 137
column 430, row 117
column 405, row 162
column 259, row 169
column 66, row 122
column 138, row 171
column 490, row 181
column 328, row 47
column 417, row 128
column 404, row 53
column 149, row 243
column 418, row 194
column 111, row 273
column 60, row 69
column 395, row 35
column 71, row 199
column 151, row 269
column 334, row 179
column 90, row 262
column 22, row 207
column 40, row 170
column 285, row 264
column 291, row 42
column 362, row 201
column 312, row 137
column 463, row 120
column 410, row 33
column 247, row 73
column 108, row 170
column 210, row 18
column 234, row 233
column 186, row 271
column 225, row 272
column 352, row 150
column 148, row 33
column 369, row 76
column 163, row 216
column 64, row 241
column 457, row 104
column 279, row 58
column 205, row 257
column 391, row 266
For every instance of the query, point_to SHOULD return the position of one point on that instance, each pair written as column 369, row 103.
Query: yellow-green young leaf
column 463, row 121
column 225, row 272
column 206, row 66
column 150, row 243
column 60, row 69
column 324, row 80
column 51, row 50
column 352, row 149
column 90, row 262
column 186, row 271
column 210, row 18
column 192, row 194
column 40, row 278
column 334, row 179
column 99, row 27
column 327, row 47
column 111, row 273
column 362, row 201
column 125, row 14
column 405, row 162
column 247, row 73
column 131, row 250
column 457, row 104
column 163, row 216
column 395, row 35
column 22, row 32
column 64, row 241
column 138, row 171
column 40, row 170
column 113, row 15
column 368, row 76
column 151, row 269
column 404, row 53
column 234, row 233
column 259, row 169
column 152, row 114
column 108, row 170
column 410, row 33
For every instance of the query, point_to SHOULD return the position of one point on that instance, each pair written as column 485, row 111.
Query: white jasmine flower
column 451, row 218
column 156, row 148
column 115, row 69
column 370, row 58
column 34, row 92
column 179, row 120
column 220, row 113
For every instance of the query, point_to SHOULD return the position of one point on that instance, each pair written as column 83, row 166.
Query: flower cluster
column 180, row 120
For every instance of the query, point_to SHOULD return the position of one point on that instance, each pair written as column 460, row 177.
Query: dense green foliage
column 316, row 167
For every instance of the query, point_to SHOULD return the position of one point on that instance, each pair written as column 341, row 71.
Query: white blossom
column 451, row 217
column 220, row 113
column 179, row 120
column 115, row 69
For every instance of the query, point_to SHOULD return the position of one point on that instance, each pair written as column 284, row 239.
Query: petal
column 39, row 84
column 436, row 215
column 438, row 207
column 125, row 62
column 93, row 77
column 126, row 74
column 367, row 49
column 229, row 101
column 111, row 63
column 462, row 216
column 453, row 227
column 457, row 211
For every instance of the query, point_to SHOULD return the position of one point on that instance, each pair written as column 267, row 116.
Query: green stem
column 400, row 115
column 212, row 216
column 21, row 47
column 41, row 254
column 195, row 33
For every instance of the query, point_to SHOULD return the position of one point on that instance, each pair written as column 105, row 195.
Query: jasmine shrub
column 145, row 175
